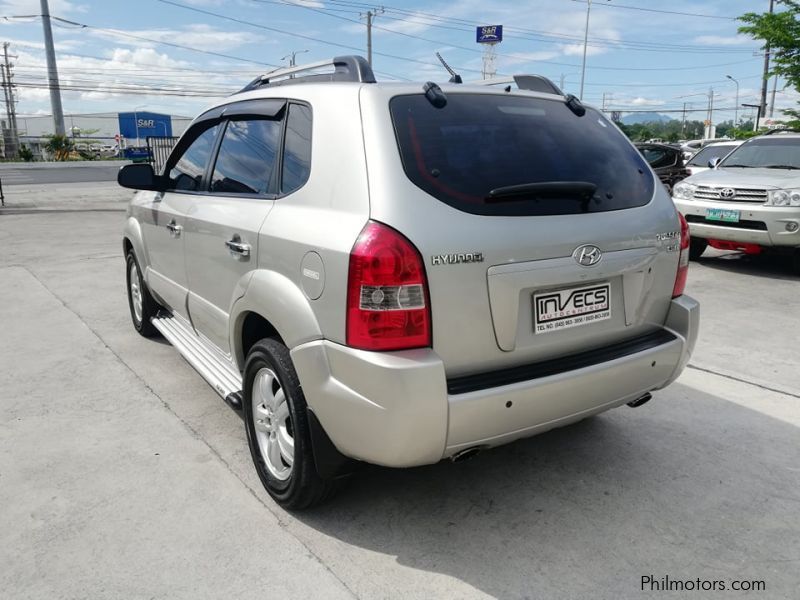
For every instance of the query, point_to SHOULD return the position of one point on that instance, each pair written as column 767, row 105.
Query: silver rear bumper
column 394, row 409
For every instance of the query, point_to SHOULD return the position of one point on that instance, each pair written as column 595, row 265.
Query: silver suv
column 749, row 200
column 397, row 273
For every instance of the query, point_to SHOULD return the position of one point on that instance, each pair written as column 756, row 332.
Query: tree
column 59, row 146
column 25, row 153
column 781, row 31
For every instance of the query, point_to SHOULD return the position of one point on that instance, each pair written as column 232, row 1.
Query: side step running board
column 214, row 367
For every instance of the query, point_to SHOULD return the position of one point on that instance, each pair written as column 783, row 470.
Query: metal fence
column 159, row 149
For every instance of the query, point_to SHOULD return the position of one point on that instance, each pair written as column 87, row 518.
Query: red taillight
column 387, row 292
column 683, row 260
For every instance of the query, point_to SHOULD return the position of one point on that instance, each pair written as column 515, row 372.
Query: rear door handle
column 174, row 229
column 237, row 247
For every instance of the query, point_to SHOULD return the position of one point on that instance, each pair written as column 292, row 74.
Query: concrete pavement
column 702, row 482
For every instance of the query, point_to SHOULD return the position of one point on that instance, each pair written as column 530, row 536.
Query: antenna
column 454, row 77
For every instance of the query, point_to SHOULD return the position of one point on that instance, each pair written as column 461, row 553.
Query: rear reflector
column 387, row 292
column 683, row 260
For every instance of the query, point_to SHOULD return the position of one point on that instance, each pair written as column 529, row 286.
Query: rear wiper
column 778, row 167
column 576, row 190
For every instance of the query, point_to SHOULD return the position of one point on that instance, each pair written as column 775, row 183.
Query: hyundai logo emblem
column 587, row 255
column 727, row 193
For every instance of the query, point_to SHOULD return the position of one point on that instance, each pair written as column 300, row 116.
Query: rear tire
column 278, row 434
column 142, row 305
column 696, row 247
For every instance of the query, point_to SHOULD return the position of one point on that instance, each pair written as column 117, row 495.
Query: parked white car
column 699, row 162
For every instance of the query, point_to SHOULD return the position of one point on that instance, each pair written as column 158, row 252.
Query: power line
column 665, row 12
column 300, row 35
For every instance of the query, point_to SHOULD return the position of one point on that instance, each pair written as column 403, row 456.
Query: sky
column 178, row 56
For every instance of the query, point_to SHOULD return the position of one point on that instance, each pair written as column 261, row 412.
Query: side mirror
column 139, row 177
column 714, row 162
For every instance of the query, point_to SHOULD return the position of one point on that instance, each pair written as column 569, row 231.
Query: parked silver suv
column 749, row 200
column 399, row 273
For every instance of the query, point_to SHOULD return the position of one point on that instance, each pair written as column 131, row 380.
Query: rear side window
column 297, row 149
column 187, row 174
column 246, row 160
column 479, row 143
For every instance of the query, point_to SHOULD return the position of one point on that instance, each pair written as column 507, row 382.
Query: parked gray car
column 397, row 273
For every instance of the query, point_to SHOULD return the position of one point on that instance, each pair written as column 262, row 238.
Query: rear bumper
column 767, row 224
column 394, row 409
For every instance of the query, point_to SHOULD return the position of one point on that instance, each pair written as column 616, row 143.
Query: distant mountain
column 645, row 117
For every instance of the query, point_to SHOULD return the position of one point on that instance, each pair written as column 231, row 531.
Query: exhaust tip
column 465, row 454
column 640, row 401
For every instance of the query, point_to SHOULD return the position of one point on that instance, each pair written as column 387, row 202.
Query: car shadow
column 770, row 266
column 584, row 510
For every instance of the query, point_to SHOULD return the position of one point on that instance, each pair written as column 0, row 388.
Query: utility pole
column 766, row 70
column 370, row 15
column 585, row 44
column 772, row 101
column 11, row 108
column 563, row 80
column 683, row 123
column 52, row 71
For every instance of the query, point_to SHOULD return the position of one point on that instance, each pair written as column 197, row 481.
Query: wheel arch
column 272, row 306
column 132, row 239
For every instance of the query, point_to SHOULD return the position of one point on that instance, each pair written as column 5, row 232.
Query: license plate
column 722, row 214
column 572, row 307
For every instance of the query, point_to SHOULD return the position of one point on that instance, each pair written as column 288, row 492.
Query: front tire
column 696, row 247
column 276, row 421
column 142, row 305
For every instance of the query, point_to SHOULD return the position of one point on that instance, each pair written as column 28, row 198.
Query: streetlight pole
column 736, row 110
column 585, row 44
column 291, row 56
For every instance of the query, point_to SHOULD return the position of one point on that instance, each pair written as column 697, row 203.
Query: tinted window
column 657, row 157
column 187, row 174
column 708, row 153
column 297, row 149
column 479, row 143
column 246, row 160
column 766, row 153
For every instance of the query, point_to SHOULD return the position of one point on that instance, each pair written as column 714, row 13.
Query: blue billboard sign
column 489, row 34
column 140, row 125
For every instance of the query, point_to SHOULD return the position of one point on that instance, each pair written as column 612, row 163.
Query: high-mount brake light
column 387, row 292
column 683, row 260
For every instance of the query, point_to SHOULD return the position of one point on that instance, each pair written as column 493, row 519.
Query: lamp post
column 291, row 56
column 136, row 122
column 736, row 109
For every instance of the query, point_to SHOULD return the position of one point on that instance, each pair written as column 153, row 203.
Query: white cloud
column 199, row 36
column 722, row 40
column 33, row 7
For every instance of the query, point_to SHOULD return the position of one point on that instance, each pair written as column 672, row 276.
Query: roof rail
column 533, row 83
column 346, row 68
column 781, row 130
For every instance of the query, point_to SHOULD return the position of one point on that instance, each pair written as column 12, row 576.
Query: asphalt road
column 122, row 474
column 24, row 174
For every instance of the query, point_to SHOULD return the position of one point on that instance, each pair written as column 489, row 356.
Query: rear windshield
column 709, row 153
column 480, row 143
